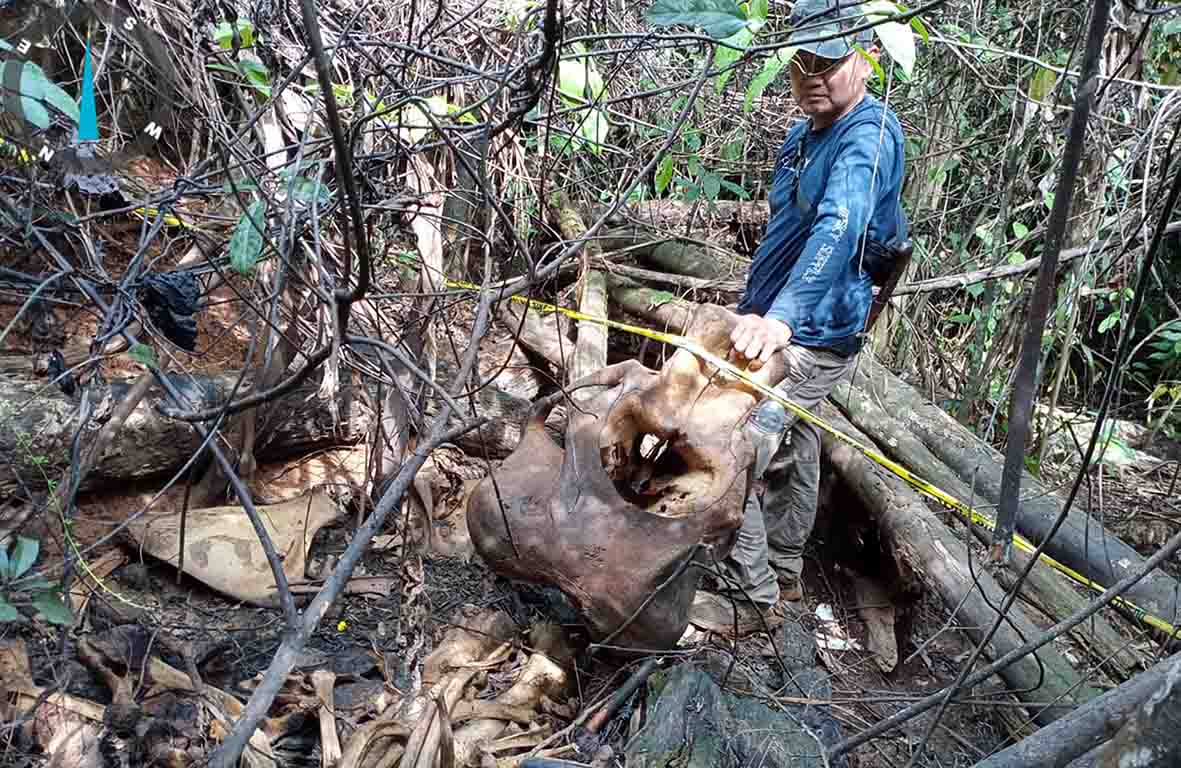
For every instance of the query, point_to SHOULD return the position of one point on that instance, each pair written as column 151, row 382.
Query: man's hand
column 757, row 338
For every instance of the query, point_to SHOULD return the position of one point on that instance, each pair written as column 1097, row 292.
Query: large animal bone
column 612, row 523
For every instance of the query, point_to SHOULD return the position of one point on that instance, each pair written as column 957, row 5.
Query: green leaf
column 143, row 354
column 718, row 18
column 595, row 129
column 727, row 56
column 53, row 609
column 258, row 76
column 664, row 172
column 878, row 72
column 758, row 10
column 1109, row 322
column 1020, row 230
column 975, row 290
column 917, row 24
column 737, row 190
column 896, row 38
column 711, row 184
column 7, row 612
column 49, row 92
column 1016, row 257
column 24, row 554
column 960, row 318
column 223, row 34
column 771, row 69
column 1042, row 83
column 246, row 242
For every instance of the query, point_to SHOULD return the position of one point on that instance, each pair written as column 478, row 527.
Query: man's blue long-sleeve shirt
column 808, row 271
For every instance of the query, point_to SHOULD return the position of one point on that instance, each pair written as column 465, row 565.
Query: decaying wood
column 37, row 425
column 1044, row 588
column 1081, row 542
column 929, row 550
column 330, row 752
column 1084, row 729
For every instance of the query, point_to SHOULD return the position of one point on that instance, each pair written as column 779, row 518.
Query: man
column 835, row 218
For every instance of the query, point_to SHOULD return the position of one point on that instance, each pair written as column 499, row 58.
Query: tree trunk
column 1081, row 542
column 1087, row 727
column 926, row 547
column 1052, row 593
column 37, row 425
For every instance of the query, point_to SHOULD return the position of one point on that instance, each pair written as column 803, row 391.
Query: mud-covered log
column 38, row 422
column 927, row 548
column 1081, row 542
column 1084, row 729
column 1049, row 591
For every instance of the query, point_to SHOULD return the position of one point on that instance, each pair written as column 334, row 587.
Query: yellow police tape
column 960, row 508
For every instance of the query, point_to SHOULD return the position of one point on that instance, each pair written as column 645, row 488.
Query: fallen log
column 38, row 422
column 1051, row 592
column 1081, row 542
column 1084, row 729
column 1149, row 738
column 924, row 546
column 661, row 307
column 677, row 255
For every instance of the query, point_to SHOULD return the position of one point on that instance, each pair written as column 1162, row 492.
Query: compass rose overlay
column 26, row 91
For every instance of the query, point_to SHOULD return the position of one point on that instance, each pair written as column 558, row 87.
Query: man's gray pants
column 776, row 528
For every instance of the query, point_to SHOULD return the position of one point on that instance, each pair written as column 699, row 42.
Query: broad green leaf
column 771, row 69
column 758, row 10
column 46, row 91
column 223, row 34
column 1016, row 257
column 143, row 354
column 658, row 298
column 594, row 129
column 960, row 319
column 1109, row 322
column 1042, row 83
column 53, row 609
column 727, row 56
column 664, row 173
column 578, row 78
column 737, row 190
column 984, row 233
column 246, row 242
column 975, row 290
column 1020, row 230
column 718, row 18
column 711, row 184
column 7, row 612
column 24, row 554
column 257, row 75
column 896, row 38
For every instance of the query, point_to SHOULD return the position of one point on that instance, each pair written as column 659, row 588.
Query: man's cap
column 822, row 18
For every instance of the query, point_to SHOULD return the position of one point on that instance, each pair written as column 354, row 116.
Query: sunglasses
column 811, row 65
